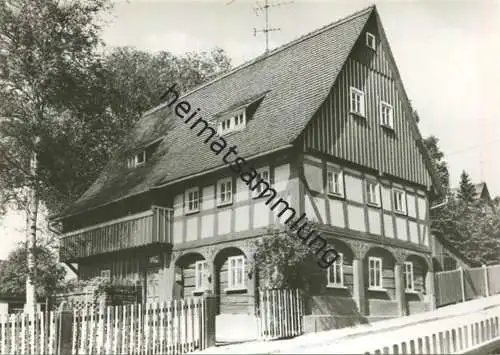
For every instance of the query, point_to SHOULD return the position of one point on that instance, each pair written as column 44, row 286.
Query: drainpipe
column 444, row 203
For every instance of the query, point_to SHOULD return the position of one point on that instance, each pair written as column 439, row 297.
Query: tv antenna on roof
column 265, row 9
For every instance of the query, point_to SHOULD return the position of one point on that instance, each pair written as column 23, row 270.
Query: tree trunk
column 30, row 306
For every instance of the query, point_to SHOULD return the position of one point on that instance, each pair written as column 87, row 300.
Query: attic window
column 136, row 159
column 234, row 123
column 370, row 41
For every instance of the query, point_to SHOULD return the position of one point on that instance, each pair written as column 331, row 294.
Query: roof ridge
column 272, row 52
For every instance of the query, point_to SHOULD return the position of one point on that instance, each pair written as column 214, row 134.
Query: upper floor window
column 262, row 174
column 372, row 193
column 408, row 276
column 386, row 117
column 201, row 275
column 136, row 159
column 192, row 200
column 374, row 272
column 236, row 272
column 335, row 272
column 370, row 40
column 233, row 123
column 357, row 101
column 225, row 191
column 399, row 200
column 335, row 182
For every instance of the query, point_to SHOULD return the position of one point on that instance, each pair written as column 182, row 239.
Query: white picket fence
column 470, row 333
column 172, row 327
column 25, row 333
column 280, row 313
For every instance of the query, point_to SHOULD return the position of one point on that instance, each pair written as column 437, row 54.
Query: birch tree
column 46, row 47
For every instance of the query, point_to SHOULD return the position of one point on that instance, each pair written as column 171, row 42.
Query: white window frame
column 409, row 276
column 395, row 191
column 201, row 275
column 386, row 118
column 377, row 267
column 371, row 41
column 232, row 281
column 106, row 274
column 260, row 172
column 375, row 192
column 332, row 188
column 135, row 160
column 188, row 200
column 236, row 122
column 226, row 197
column 361, row 94
column 332, row 271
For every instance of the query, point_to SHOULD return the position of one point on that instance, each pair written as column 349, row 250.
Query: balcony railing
column 138, row 230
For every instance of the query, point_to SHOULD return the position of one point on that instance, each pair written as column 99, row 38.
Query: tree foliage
column 281, row 259
column 54, row 85
column 439, row 162
column 466, row 191
column 49, row 275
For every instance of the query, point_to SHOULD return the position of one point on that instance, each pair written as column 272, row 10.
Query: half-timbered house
column 325, row 118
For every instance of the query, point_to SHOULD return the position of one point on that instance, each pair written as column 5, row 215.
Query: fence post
column 486, row 285
column 462, row 284
column 209, row 323
column 64, row 330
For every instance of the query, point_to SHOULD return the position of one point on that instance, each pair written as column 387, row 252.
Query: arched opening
column 191, row 271
column 231, row 281
column 338, row 278
column 415, row 273
column 380, row 282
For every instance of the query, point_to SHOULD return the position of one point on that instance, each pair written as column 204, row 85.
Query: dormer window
column 370, row 41
column 136, row 159
column 234, row 123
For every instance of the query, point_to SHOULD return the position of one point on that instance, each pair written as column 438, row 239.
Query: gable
column 363, row 140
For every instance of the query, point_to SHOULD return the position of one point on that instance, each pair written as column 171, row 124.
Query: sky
column 446, row 51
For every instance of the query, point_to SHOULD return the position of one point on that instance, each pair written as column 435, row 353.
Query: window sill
column 403, row 213
column 235, row 289
column 341, row 287
column 377, row 289
column 372, row 204
column 223, row 204
column 198, row 292
column 334, row 195
column 413, row 292
column 187, row 213
column 357, row 114
column 388, row 127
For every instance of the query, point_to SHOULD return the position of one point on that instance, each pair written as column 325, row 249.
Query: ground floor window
column 236, row 272
column 335, row 273
column 374, row 272
column 408, row 276
column 201, row 275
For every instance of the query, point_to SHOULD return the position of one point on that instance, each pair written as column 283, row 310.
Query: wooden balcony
column 153, row 227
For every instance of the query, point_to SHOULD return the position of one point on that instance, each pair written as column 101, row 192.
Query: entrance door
column 152, row 285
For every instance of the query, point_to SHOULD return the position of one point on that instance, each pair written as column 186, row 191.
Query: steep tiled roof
column 295, row 79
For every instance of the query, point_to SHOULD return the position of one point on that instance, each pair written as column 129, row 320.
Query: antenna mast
column 265, row 8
